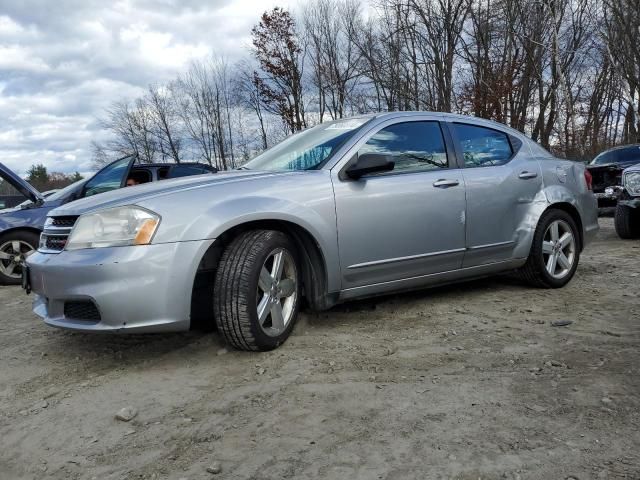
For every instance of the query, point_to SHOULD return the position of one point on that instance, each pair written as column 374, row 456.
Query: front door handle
column 445, row 183
column 527, row 175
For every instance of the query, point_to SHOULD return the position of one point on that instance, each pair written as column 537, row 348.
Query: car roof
column 199, row 164
column 446, row 115
column 622, row 147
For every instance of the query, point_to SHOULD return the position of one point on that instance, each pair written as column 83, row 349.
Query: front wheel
column 627, row 222
column 555, row 251
column 257, row 290
column 15, row 247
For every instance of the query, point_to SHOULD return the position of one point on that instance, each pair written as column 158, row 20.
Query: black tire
column 534, row 271
column 236, row 290
column 627, row 222
column 29, row 238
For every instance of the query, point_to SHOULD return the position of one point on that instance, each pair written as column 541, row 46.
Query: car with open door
column 20, row 226
column 347, row 209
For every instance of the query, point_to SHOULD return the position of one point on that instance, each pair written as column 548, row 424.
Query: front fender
column 231, row 213
column 31, row 219
column 207, row 214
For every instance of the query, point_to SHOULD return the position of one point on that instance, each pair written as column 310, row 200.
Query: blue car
column 20, row 227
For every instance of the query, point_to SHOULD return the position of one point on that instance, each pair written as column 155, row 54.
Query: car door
column 406, row 222
column 502, row 179
column 111, row 177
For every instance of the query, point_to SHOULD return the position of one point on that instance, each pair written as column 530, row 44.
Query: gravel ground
column 468, row 381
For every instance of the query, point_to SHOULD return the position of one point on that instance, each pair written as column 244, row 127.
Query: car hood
column 21, row 185
column 9, row 210
column 139, row 193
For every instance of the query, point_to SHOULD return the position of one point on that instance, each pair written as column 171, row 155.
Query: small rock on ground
column 561, row 323
column 214, row 468
column 126, row 414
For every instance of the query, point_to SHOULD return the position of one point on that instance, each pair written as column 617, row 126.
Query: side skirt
column 431, row 280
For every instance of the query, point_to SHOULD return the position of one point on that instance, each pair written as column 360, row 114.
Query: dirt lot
column 469, row 381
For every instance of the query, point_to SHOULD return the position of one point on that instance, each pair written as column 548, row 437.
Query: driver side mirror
column 369, row 163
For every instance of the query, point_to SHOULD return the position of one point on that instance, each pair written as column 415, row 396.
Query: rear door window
column 481, row 146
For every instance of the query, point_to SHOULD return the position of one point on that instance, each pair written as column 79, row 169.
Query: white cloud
column 62, row 63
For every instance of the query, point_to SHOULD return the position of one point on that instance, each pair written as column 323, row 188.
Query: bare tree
column 248, row 96
column 333, row 55
column 621, row 34
column 566, row 72
column 166, row 126
column 204, row 108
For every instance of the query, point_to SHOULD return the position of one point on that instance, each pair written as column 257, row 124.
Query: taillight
column 589, row 179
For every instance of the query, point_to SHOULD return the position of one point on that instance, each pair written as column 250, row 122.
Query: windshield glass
column 63, row 193
column 621, row 155
column 309, row 149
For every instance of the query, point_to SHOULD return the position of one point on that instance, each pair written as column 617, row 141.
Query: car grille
column 56, row 232
column 67, row 221
column 81, row 310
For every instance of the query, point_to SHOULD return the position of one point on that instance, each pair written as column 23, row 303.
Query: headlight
column 114, row 227
column 632, row 183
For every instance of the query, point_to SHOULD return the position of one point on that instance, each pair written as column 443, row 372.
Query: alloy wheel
column 12, row 255
column 558, row 249
column 277, row 292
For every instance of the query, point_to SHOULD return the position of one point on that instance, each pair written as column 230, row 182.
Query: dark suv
column 20, row 227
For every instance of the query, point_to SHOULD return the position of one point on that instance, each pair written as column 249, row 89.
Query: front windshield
column 620, row 155
column 63, row 193
column 309, row 149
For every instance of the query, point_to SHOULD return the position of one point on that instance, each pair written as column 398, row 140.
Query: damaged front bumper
column 138, row 289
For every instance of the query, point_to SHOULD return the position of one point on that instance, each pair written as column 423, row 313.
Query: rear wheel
column 627, row 222
column 14, row 249
column 555, row 251
column 257, row 290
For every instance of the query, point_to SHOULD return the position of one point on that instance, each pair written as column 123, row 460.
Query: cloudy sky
column 63, row 61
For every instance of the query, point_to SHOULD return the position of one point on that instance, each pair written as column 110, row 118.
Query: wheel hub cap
column 276, row 293
column 558, row 249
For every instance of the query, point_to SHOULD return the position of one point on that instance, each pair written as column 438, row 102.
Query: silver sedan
column 347, row 209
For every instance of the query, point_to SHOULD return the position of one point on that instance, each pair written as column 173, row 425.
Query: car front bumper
column 608, row 198
column 633, row 203
column 137, row 289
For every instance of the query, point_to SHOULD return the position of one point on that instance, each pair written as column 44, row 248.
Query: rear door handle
column 445, row 183
column 527, row 175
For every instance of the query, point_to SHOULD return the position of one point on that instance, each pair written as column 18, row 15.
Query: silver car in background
column 347, row 209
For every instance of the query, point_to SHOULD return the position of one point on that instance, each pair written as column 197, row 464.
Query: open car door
column 111, row 177
column 21, row 185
